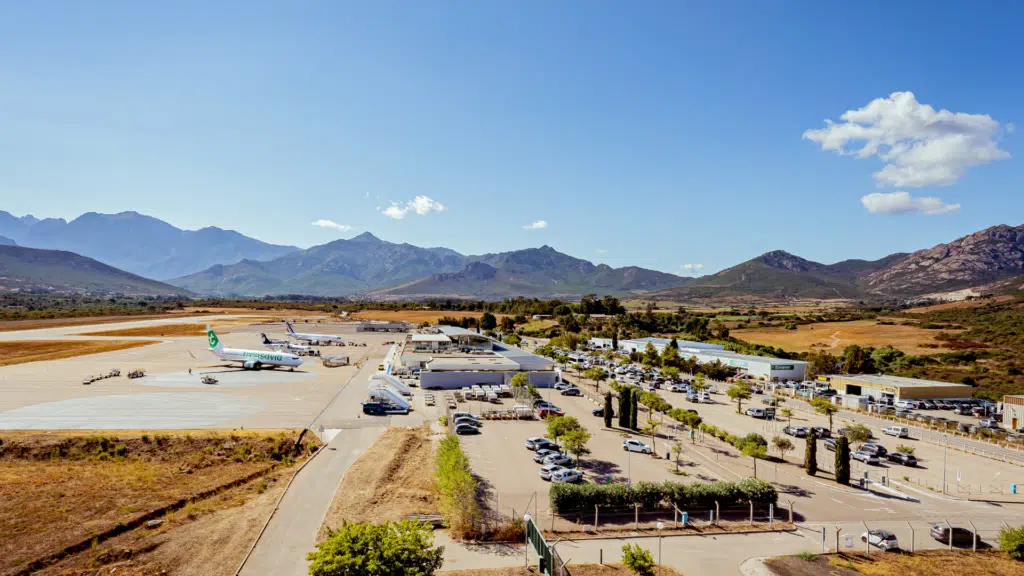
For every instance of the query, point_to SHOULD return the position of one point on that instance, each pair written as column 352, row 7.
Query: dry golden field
column 834, row 336
column 19, row 352
column 431, row 316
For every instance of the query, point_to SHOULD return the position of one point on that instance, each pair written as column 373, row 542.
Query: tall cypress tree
column 607, row 409
column 634, row 410
column 843, row 460
column 624, row 407
column 615, row 340
column 811, row 454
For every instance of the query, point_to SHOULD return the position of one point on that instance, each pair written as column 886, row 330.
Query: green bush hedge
column 702, row 495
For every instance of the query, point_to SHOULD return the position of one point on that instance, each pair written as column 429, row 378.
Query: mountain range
column 385, row 270
column 217, row 262
column 34, row 270
column 137, row 243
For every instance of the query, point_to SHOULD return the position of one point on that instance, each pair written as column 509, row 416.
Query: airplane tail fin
column 288, row 325
column 265, row 339
column 215, row 344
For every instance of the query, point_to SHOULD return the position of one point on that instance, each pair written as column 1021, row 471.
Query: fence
column 550, row 561
column 911, row 535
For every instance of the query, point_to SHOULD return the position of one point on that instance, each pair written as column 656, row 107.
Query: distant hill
column 380, row 269
column 535, row 272
column 993, row 254
column 339, row 268
column 5, row 241
column 31, row 269
column 137, row 243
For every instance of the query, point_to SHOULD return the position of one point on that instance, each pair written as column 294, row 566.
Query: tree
column 638, row 560
column 625, row 405
column 782, row 445
column 597, row 375
column 507, row 324
column 755, row 451
column 787, row 413
column 670, row 356
column 670, row 372
column 512, row 339
column 823, row 406
column 569, row 323
column 560, row 426
column 811, row 455
column 634, row 410
column 576, row 442
column 365, row 549
column 857, row 433
column 651, row 357
column 677, row 450
column 608, row 409
column 843, row 460
column 739, row 393
column 699, row 382
column 615, row 340
column 488, row 321
column 1011, row 541
column 651, row 429
column 857, row 360
column 562, row 310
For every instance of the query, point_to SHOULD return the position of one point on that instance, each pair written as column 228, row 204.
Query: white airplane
column 250, row 359
column 285, row 345
column 272, row 342
column 312, row 338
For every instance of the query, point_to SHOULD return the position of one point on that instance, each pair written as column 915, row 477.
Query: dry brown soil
column 166, row 330
column 392, row 479
column 577, row 570
column 835, row 336
column 988, row 563
column 58, row 490
column 19, row 352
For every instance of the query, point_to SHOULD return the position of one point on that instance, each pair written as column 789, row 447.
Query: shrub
column 842, row 462
column 701, row 495
column 807, row 556
column 377, row 550
column 457, row 486
column 638, row 560
column 1011, row 541
column 443, row 420
column 811, row 455
column 904, row 448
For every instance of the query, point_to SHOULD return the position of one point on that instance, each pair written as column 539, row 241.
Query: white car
column 897, row 431
column 547, row 470
column 567, row 475
column 543, row 453
column 636, row 446
column 881, row 539
column 559, row 458
column 537, row 443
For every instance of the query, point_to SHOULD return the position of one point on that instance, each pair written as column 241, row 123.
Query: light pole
column 660, row 526
column 629, row 468
column 945, row 448
column 526, row 549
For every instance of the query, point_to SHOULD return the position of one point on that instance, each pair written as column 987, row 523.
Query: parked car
column 988, row 423
column 636, row 446
column 907, row 404
column 543, row 453
column 875, row 449
column 830, row 445
column 897, row 431
column 963, row 427
column 794, row 431
column 928, row 405
column 457, row 415
column 549, row 411
column 903, row 412
column 537, row 443
column 559, row 458
column 574, row 391
column 567, row 475
column 865, row 457
column 902, row 458
column 821, row 432
column 461, row 429
column 881, row 539
column 548, row 469
column 756, row 412
column 842, row 432
column 961, row 536
column 599, row 412
column 468, row 422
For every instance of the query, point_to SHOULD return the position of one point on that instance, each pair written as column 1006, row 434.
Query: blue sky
column 657, row 134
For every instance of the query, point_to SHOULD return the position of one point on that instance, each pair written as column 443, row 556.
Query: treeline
column 25, row 306
column 566, row 498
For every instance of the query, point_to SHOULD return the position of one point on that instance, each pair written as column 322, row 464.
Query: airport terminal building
column 453, row 358
column 640, row 344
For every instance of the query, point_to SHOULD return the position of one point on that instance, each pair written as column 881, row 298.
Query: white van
column 897, row 431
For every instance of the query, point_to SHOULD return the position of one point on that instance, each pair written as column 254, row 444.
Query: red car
column 549, row 411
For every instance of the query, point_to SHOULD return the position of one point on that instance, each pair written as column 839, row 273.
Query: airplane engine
column 251, row 365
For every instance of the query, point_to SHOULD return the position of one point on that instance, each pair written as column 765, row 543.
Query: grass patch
column 20, row 352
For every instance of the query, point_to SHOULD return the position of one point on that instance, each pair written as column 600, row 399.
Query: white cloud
column 331, row 224
column 601, row 251
column 691, row 268
column 538, row 225
column 903, row 202
column 919, row 145
column 420, row 205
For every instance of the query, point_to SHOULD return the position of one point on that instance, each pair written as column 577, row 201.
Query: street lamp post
column 526, row 549
column 945, row 448
column 660, row 526
column 629, row 467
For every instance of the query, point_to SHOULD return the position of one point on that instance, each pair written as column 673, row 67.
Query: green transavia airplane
column 251, row 359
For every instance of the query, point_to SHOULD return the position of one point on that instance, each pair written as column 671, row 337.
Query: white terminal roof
column 729, row 357
column 898, row 381
column 469, row 363
column 430, row 338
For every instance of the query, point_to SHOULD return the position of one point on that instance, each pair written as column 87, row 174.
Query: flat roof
column 897, row 381
column 457, row 331
column 681, row 343
column 727, row 355
column 472, row 363
column 430, row 338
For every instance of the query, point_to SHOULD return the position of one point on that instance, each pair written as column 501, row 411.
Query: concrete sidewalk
column 291, row 533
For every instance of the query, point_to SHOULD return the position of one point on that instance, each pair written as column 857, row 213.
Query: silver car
column 865, row 457
column 559, row 458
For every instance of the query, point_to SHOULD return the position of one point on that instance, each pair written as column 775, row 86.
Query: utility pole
column 945, row 449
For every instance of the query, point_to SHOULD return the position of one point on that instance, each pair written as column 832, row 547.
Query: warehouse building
column 1013, row 411
column 640, row 344
column 760, row 367
column 382, row 327
column 892, row 389
column 469, row 358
